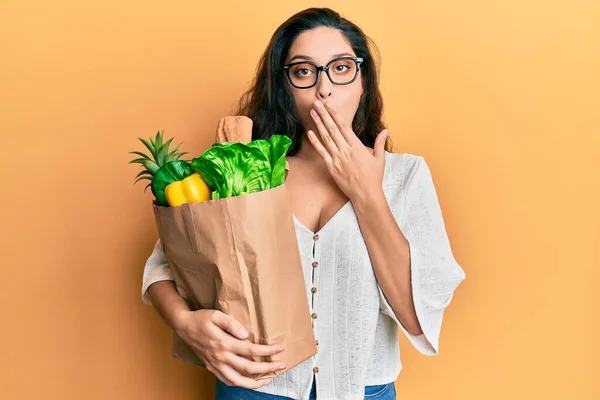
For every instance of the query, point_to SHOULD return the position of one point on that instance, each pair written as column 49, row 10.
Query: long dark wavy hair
column 269, row 102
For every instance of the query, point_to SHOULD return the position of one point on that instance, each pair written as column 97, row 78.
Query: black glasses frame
column 357, row 61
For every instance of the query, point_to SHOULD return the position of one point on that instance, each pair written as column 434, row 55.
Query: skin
column 331, row 168
column 314, row 193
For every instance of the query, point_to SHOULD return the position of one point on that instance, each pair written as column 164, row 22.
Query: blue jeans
column 224, row 392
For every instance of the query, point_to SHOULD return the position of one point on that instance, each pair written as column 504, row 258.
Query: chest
column 315, row 198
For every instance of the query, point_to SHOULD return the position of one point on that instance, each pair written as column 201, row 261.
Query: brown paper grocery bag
column 240, row 255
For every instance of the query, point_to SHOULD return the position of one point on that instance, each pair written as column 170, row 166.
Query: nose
column 324, row 87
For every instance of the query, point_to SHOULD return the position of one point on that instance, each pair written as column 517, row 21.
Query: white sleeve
column 156, row 269
column 435, row 274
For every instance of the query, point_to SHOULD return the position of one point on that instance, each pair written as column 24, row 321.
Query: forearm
column 168, row 303
column 389, row 252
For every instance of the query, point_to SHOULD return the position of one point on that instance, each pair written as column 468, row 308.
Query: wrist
column 368, row 200
column 180, row 319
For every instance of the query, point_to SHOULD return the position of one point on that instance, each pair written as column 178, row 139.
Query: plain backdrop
column 500, row 97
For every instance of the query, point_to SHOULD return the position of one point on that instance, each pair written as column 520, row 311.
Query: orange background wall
column 501, row 97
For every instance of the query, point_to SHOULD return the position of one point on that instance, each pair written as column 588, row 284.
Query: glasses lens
column 303, row 75
column 342, row 71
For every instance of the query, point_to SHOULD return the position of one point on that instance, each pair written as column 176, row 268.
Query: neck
column 308, row 152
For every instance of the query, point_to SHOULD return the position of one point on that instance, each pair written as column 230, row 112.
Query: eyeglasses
column 341, row 71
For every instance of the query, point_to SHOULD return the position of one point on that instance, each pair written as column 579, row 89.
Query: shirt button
column 316, row 369
column 315, row 264
column 313, row 290
column 313, row 315
column 317, row 342
column 316, row 237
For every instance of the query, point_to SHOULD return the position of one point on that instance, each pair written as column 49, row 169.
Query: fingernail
column 318, row 104
column 268, row 382
column 243, row 332
column 280, row 349
column 313, row 112
column 282, row 366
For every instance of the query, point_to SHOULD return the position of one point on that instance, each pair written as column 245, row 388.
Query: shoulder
column 401, row 169
column 409, row 159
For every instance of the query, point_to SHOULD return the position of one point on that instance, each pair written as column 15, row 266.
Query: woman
column 374, row 248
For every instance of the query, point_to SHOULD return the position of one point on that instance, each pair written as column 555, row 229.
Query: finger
column 379, row 148
column 250, row 349
column 229, row 324
column 346, row 130
column 247, row 367
column 320, row 149
column 326, row 136
column 238, row 380
column 331, row 126
column 220, row 376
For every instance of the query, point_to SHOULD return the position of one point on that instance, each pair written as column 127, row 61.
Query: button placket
column 316, row 267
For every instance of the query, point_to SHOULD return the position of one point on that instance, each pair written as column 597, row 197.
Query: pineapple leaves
column 158, row 141
column 151, row 166
column 161, row 155
column 144, row 172
column 148, row 145
column 176, row 147
column 139, row 153
column 177, row 156
column 167, row 144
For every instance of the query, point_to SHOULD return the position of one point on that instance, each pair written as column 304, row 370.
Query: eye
column 303, row 72
column 341, row 68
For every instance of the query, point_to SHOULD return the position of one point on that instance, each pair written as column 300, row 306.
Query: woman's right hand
column 218, row 341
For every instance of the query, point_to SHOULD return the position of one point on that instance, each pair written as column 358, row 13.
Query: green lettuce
column 279, row 148
column 233, row 168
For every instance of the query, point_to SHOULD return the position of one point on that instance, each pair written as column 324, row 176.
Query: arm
column 411, row 255
column 168, row 303
column 389, row 252
column 156, row 270
column 216, row 338
column 160, row 291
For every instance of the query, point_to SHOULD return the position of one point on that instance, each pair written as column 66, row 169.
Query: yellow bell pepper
column 192, row 189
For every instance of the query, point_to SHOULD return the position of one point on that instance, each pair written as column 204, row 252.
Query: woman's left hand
column 357, row 170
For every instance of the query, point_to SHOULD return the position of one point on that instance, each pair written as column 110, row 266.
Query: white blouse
column 355, row 327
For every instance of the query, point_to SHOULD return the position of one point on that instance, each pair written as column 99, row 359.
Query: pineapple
column 160, row 156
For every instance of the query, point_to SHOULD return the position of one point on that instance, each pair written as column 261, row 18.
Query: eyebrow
column 303, row 57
